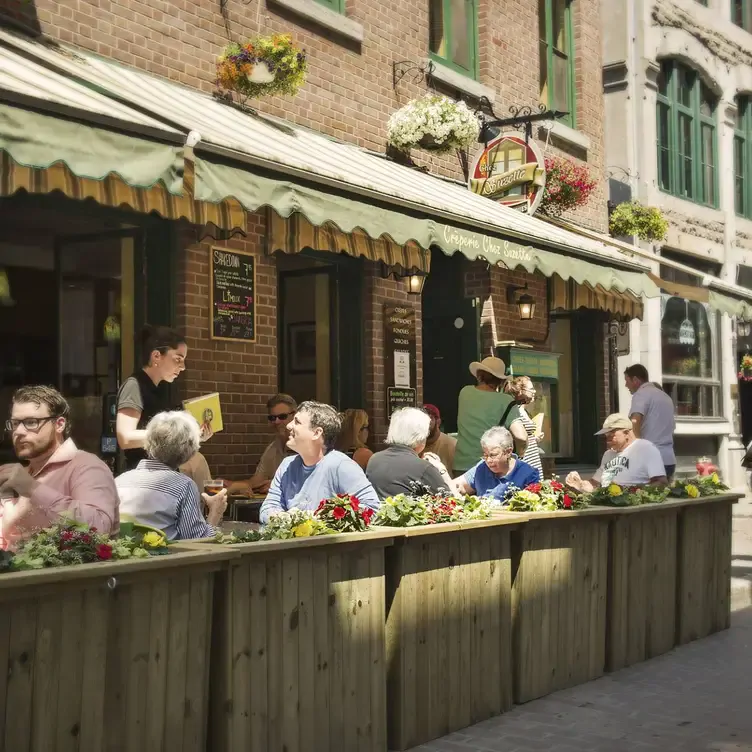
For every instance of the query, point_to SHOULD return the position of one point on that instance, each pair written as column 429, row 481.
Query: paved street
column 697, row 698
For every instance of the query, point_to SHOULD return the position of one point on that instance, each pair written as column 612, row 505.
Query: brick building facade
column 349, row 95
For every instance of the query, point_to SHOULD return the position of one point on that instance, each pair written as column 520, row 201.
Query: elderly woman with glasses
column 499, row 470
column 157, row 494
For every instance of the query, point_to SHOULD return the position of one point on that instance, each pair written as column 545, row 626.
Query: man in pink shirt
column 59, row 478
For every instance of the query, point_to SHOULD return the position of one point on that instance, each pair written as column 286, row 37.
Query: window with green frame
column 687, row 141
column 741, row 13
column 556, row 57
column 743, row 157
column 453, row 34
column 338, row 6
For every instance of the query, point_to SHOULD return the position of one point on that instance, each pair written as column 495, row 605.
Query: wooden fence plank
column 259, row 654
column 240, row 647
column 158, row 667
column 94, row 685
column 197, row 663
column 180, row 603
column 71, row 667
column 21, row 657
column 306, row 653
column 321, row 741
column 46, row 674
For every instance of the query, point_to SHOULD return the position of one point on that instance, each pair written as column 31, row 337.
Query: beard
column 29, row 450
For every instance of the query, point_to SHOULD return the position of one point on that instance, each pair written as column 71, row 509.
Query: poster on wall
column 232, row 291
column 510, row 171
column 400, row 355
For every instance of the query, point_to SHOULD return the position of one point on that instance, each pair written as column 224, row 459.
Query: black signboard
column 232, row 287
column 397, row 397
column 400, row 351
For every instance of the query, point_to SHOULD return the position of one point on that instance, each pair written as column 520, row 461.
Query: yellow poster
column 206, row 410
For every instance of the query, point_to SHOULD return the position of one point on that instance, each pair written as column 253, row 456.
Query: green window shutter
column 453, row 35
column 741, row 13
column 743, row 157
column 338, row 6
column 556, row 61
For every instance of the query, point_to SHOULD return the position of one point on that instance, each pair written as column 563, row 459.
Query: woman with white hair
column 499, row 470
column 398, row 468
column 157, row 494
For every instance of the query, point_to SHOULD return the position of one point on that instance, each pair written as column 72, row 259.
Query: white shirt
column 657, row 411
column 635, row 466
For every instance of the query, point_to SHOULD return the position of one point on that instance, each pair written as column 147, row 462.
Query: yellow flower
column 614, row 490
column 692, row 491
column 715, row 480
column 153, row 540
column 304, row 530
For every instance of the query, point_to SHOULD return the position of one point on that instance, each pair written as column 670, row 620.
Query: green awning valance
column 217, row 181
column 33, row 139
column 732, row 306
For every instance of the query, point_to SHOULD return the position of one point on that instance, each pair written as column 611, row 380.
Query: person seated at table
column 157, row 494
column 353, row 436
column 317, row 471
column 398, row 469
column 280, row 410
column 438, row 442
column 499, row 470
column 627, row 461
column 59, row 479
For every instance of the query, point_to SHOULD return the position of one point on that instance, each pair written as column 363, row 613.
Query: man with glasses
column 57, row 477
column 280, row 411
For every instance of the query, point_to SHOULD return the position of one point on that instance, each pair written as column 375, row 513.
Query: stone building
column 335, row 229
column 677, row 80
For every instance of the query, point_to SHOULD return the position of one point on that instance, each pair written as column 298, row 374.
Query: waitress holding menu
column 145, row 394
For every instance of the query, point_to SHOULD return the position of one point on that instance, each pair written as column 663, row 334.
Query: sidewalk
column 697, row 698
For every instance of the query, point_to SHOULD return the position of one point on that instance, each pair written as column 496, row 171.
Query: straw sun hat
column 494, row 366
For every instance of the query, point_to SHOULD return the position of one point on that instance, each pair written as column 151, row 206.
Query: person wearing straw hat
column 482, row 406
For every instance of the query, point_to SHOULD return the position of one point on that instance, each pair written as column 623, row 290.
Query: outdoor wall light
column 415, row 283
column 413, row 280
column 525, row 303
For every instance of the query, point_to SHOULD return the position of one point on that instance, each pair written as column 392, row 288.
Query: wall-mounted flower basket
column 434, row 123
column 633, row 218
column 262, row 66
column 568, row 186
column 745, row 368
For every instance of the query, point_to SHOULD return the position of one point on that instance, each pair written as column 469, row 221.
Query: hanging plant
column 745, row 368
column 568, row 186
column 262, row 66
column 435, row 123
column 633, row 218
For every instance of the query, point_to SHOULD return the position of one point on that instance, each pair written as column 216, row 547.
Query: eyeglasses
column 30, row 424
column 281, row 416
column 493, row 455
column 364, row 428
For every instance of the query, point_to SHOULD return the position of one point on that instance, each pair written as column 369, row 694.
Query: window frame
column 674, row 183
column 471, row 7
column 746, row 23
column 338, row 6
column 743, row 140
column 571, row 118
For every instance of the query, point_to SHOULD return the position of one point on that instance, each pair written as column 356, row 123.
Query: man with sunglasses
column 57, row 477
column 280, row 411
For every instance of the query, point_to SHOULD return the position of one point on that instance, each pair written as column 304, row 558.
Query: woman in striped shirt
column 157, row 494
column 523, row 392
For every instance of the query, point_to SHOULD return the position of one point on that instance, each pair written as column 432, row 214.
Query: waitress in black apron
column 146, row 393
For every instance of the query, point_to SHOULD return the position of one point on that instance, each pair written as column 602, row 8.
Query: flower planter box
column 559, row 570
column 703, row 603
column 448, row 628
column 298, row 650
column 107, row 656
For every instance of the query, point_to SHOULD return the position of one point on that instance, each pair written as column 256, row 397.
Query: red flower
column 354, row 503
column 556, row 485
column 93, row 529
column 321, row 505
column 368, row 515
column 66, row 536
column 85, row 538
column 534, row 488
column 338, row 513
column 567, row 501
column 104, row 552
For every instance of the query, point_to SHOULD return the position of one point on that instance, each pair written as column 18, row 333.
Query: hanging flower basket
column 434, row 123
column 633, row 218
column 745, row 368
column 568, row 186
column 262, row 66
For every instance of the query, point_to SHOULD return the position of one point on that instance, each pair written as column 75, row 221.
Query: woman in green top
column 484, row 406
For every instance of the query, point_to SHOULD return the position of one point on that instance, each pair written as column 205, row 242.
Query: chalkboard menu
column 232, row 287
column 400, row 346
column 397, row 397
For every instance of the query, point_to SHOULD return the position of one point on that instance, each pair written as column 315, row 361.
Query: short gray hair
column 325, row 417
column 498, row 436
column 408, row 427
column 172, row 438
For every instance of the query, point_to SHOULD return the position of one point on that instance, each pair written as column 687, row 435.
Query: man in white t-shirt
column 628, row 461
column 652, row 414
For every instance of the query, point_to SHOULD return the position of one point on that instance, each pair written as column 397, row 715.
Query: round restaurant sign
column 510, row 171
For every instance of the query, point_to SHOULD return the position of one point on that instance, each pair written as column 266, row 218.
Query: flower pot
column 429, row 143
column 261, row 73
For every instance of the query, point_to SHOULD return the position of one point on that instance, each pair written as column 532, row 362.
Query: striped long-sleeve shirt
column 161, row 497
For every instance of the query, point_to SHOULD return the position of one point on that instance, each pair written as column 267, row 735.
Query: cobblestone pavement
column 698, row 698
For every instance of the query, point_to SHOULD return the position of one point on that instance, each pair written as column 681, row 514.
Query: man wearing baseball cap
column 627, row 461
column 438, row 442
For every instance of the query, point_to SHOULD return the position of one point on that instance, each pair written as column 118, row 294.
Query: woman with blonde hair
column 353, row 437
column 521, row 389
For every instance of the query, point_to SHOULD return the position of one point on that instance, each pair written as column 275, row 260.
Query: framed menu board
column 232, row 291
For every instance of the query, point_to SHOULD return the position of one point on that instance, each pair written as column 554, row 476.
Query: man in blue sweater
column 317, row 471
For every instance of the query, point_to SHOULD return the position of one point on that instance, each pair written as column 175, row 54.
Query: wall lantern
column 413, row 280
column 415, row 283
column 525, row 303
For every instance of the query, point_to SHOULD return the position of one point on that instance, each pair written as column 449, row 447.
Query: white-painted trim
column 702, row 427
column 461, row 83
column 570, row 135
column 323, row 16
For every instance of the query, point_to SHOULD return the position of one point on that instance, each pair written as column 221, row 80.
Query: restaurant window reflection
column 689, row 345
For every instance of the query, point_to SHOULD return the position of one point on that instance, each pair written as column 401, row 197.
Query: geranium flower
column 354, row 503
column 321, row 505
column 567, row 501
column 368, row 515
column 556, row 485
column 338, row 513
column 534, row 488
column 104, row 552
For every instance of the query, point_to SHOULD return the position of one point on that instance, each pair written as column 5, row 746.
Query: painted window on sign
column 453, row 34
column 686, row 130
column 556, row 57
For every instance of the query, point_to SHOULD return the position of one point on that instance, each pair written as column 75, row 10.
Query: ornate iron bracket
column 416, row 71
column 521, row 117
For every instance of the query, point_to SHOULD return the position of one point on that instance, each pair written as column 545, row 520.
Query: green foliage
column 633, row 218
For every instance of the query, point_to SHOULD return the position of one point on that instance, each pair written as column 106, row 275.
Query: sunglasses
column 281, row 416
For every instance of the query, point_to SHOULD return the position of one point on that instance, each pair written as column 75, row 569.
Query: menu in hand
column 206, row 410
